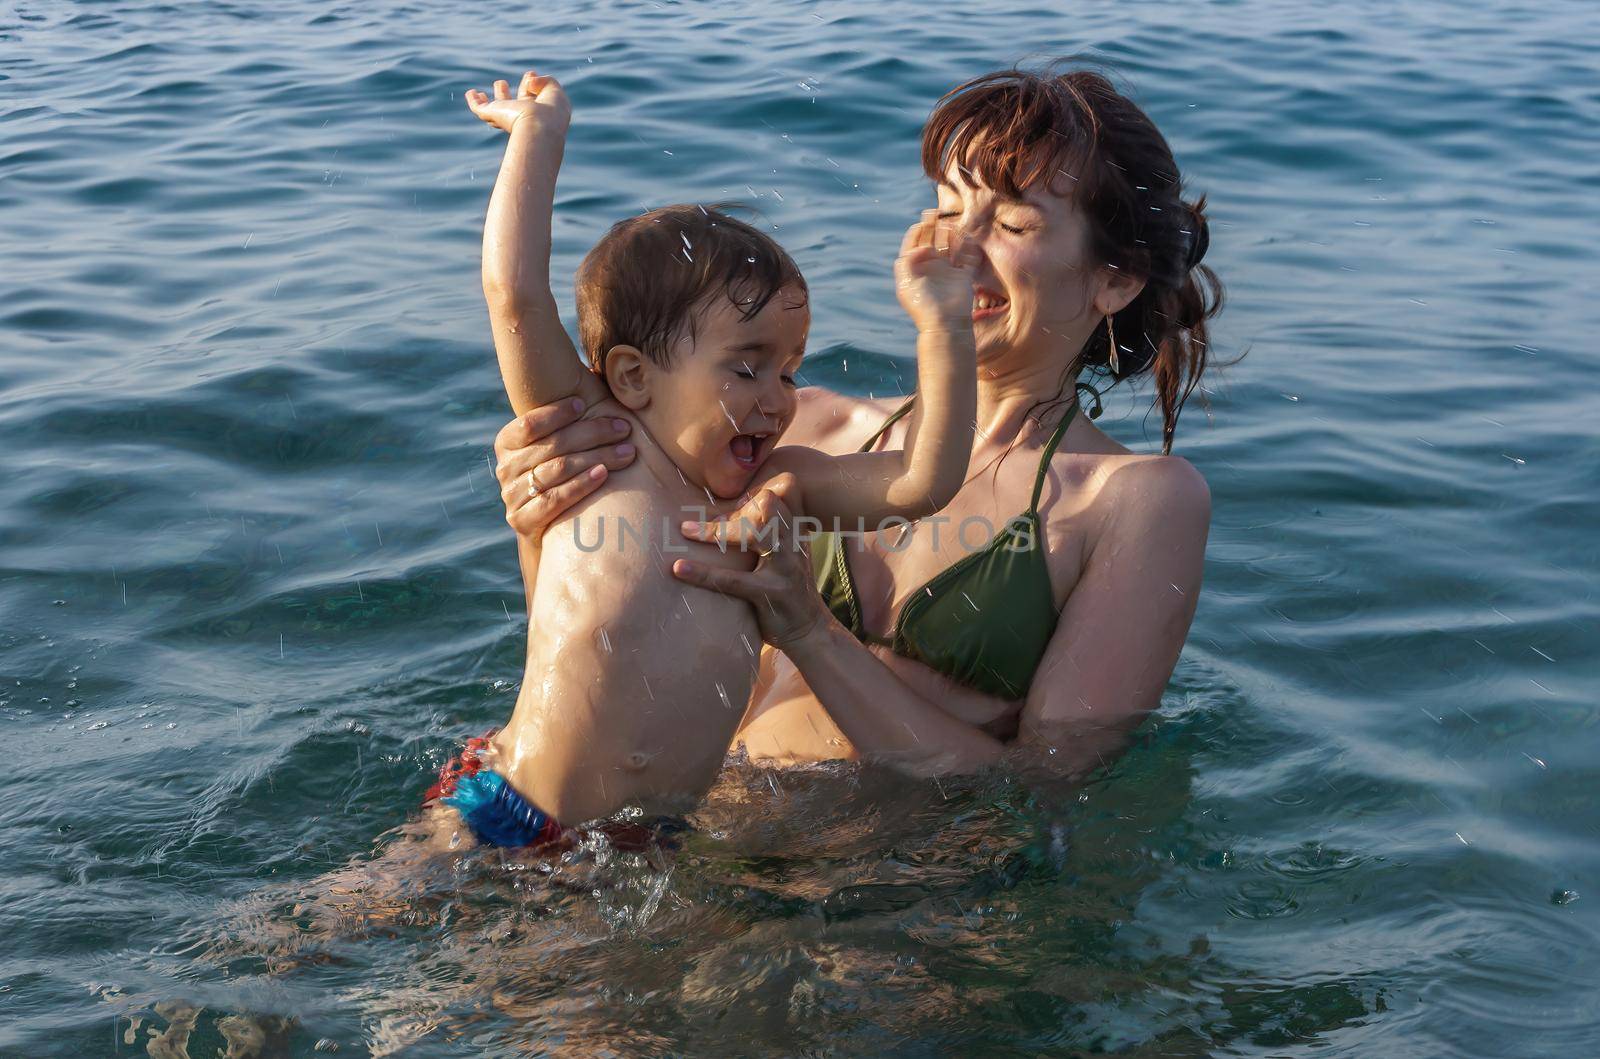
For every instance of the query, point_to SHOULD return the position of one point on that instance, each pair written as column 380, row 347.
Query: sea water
column 255, row 584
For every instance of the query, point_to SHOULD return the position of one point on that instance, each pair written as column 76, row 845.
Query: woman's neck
column 1008, row 388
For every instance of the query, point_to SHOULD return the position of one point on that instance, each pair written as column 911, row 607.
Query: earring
column 1111, row 344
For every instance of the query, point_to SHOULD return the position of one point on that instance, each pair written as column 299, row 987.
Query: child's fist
column 933, row 276
column 539, row 98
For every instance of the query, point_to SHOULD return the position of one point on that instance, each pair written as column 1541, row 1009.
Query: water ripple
column 257, row 586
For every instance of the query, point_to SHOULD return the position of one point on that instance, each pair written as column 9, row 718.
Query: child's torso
column 634, row 681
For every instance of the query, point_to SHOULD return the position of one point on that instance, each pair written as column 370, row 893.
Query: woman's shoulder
column 1153, row 493
column 837, row 422
column 1105, row 500
column 1109, row 485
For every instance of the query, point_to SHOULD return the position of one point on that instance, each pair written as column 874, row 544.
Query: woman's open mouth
column 986, row 303
column 749, row 449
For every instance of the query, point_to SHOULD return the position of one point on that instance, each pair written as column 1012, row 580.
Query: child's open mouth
column 748, row 449
column 987, row 303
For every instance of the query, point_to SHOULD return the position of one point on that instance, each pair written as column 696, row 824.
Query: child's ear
column 628, row 376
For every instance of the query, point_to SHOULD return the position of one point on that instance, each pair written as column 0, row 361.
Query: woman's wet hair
column 647, row 278
column 1073, row 133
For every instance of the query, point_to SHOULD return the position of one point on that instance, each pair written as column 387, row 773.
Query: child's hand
column 932, row 275
column 539, row 99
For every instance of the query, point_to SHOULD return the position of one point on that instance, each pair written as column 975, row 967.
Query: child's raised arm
column 935, row 289
column 537, row 360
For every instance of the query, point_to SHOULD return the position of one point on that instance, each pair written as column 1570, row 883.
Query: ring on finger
column 533, row 487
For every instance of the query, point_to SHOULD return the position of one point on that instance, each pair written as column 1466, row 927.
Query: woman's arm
column 548, row 460
column 1107, row 663
column 570, row 457
column 885, row 718
column 562, row 451
column 1126, row 621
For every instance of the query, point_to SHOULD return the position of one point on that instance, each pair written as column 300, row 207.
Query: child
column 694, row 324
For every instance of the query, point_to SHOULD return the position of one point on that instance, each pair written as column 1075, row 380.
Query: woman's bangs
column 1010, row 136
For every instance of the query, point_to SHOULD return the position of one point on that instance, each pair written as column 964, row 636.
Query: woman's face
column 1035, row 284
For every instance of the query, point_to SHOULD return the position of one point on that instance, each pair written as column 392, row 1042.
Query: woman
column 1056, row 633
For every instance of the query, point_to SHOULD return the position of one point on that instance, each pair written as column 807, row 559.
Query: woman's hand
column 549, row 459
column 933, row 276
column 540, row 98
column 780, row 588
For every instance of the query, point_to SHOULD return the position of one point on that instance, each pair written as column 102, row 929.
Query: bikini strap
column 1050, row 450
column 887, row 423
column 1044, row 461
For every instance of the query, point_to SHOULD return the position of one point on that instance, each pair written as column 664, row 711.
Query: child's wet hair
column 647, row 277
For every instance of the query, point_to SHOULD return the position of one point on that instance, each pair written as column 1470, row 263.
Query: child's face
column 730, row 393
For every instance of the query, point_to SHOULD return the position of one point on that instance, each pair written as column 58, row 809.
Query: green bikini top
column 984, row 621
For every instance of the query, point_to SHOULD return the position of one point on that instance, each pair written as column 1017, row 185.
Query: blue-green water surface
column 255, row 584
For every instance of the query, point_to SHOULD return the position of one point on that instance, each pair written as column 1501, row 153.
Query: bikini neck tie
column 1094, row 394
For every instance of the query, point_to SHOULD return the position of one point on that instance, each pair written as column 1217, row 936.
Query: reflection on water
column 780, row 909
column 834, row 907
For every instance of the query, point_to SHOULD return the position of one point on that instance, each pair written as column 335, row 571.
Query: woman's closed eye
column 1012, row 229
column 744, row 371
